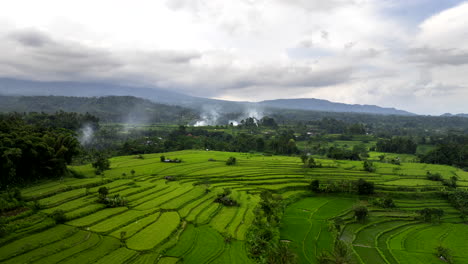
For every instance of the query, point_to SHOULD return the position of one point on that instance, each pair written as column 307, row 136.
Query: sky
column 407, row 54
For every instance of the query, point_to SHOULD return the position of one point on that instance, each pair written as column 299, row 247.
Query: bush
column 431, row 214
column 225, row 198
column 433, row 176
column 368, row 166
column 315, row 186
column 364, row 187
column 361, row 213
column 384, row 202
column 103, row 192
column 117, row 201
column 101, row 164
column 162, row 158
column 59, row 216
column 444, row 254
column 231, row 161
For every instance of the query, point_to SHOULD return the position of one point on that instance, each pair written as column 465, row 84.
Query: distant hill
column 327, row 106
column 35, row 88
column 126, row 109
column 459, row 115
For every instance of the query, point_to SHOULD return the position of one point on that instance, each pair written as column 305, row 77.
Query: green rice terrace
column 172, row 213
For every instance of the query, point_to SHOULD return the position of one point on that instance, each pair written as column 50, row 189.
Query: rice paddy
column 171, row 216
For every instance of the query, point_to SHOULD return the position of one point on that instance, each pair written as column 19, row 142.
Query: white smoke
column 255, row 113
column 233, row 122
column 86, row 134
column 209, row 116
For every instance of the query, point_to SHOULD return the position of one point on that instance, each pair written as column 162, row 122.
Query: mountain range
column 16, row 87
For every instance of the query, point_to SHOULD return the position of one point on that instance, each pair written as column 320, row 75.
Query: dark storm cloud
column 32, row 38
column 36, row 55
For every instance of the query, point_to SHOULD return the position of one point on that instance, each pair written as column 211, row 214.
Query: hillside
column 126, row 109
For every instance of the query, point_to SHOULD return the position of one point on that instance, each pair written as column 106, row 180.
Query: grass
column 155, row 233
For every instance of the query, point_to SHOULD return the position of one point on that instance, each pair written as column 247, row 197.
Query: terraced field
column 171, row 216
column 388, row 236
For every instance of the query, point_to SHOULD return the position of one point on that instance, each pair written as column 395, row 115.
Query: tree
column 368, row 166
column 282, row 254
column 340, row 255
column 162, row 158
column 103, row 192
column 132, row 172
column 101, row 164
column 315, row 186
column 444, row 253
column 431, row 214
column 364, row 187
column 360, row 213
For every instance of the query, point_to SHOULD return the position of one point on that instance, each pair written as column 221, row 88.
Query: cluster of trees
column 342, row 153
column 431, row 214
column 369, row 166
column 309, row 162
column 402, row 145
column 448, row 154
column 110, row 202
column 386, row 202
column 263, row 238
column 452, row 182
column 252, row 122
column 32, row 152
column 459, row 199
column 361, row 187
column 282, row 142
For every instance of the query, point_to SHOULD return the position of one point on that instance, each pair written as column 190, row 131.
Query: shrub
column 225, row 198
column 431, row 214
column 364, row 187
column 386, row 202
column 361, row 213
column 368, row 166
column 315, row 186
column 103, row 192
column 444, row 254
column 162, row 158
column 231, row 161
column 59, row 216
column 117, row 201
column 433, row 176
column 101, row 164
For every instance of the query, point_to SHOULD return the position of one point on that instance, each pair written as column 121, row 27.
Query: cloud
column 31, row 38
column 438, row 57
column 352, row 51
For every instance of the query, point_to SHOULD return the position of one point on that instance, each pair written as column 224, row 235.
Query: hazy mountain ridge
column 325, row 105
column 17, row 87
column 459, row 115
